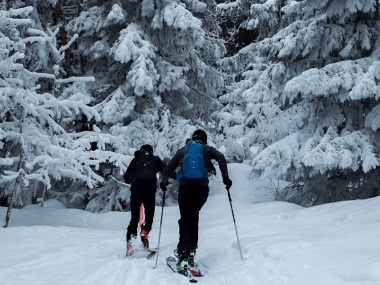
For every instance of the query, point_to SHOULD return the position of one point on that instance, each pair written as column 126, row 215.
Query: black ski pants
column 191, row 199
column 141, row 194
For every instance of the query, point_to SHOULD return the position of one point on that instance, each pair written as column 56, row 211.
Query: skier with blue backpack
column 191, row 164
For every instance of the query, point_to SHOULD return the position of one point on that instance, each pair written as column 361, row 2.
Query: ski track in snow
column 282, row 243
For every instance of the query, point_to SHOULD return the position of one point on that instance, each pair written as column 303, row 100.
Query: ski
column 195, row 270
column 171, row 263
column 151, row 250
column 142, row 252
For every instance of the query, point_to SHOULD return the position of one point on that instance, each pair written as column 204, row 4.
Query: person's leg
column 186, row 209
column 149, row 201
column 135, row 213
column 194, row 236
column 190, row 199
column 199, row 200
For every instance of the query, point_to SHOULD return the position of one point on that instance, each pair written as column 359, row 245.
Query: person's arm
column 160, row 165
column 219, row 157
column 211, row 169
column 172, row 165
column 129, row 175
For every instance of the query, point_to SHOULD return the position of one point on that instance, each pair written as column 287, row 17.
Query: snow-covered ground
column 282, row 243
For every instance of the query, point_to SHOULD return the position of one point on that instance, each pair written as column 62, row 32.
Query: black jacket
column 130, row 174
column 209, row 153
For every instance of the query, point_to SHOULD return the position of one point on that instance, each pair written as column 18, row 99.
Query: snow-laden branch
column 76, row 79
column 37, row 32
column 65, row 47
column 39, row 75
column 19, row 11
column 19, row 22
column 6, row 161
column 34, row 39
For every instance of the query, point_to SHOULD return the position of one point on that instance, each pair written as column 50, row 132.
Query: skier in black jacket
column 141, row 174
column 192, row 195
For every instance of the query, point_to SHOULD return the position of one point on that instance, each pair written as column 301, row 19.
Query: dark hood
column 137, row 153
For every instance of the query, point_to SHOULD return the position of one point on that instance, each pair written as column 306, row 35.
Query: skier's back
column 193, row 193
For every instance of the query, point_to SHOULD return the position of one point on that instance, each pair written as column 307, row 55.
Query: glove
column 227, row 181
column 164, row 186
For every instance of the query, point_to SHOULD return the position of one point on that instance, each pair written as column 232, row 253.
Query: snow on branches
column 132, row 46
column 38, row 141
column 308, row 91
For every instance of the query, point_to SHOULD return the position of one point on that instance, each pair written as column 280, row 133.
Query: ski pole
column 233, row 216
column 159, row 232
column 122, row 183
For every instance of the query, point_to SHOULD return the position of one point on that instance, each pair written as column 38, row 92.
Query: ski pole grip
column 229, row 195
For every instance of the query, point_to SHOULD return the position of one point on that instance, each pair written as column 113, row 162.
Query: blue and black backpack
column 193, row 163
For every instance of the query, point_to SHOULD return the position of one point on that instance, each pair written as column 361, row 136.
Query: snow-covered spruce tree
column 309, row 96
column 34, row 146
column 155, row 64
column 154, row 57
column 234, row 18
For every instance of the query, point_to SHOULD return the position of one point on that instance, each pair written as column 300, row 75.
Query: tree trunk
column 13, row 199
column 18, row 179
column 43, row 196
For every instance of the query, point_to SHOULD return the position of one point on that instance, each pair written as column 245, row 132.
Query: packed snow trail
column 282, row 243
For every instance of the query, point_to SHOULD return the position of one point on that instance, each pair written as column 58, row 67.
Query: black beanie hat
column 200, row 135
column 147, row 147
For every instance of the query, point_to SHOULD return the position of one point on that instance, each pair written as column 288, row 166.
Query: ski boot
column 192, row 266
column 192, row 258
column 129, row 249
column 182, row 264
column 144, row 237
